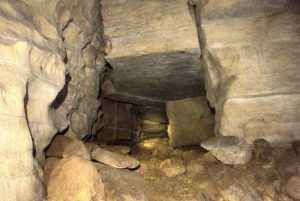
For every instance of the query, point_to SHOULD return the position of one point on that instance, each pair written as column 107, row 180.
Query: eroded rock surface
column 190, row 121
column 51, row 56
column 244, row 46
column 75, row 179
column 230, row 150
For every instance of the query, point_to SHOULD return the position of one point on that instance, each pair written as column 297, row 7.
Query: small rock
column 261, row 143
column 114, row 159
column 59, row 143
column 76, row 148
column 230, row 150
column 293, row 187
column 172, row 167
column 288, row 164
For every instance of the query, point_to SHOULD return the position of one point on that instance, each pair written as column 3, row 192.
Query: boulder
column 75, row 179
column 190, row 121
column 76, row 148
column 114, row 159
column 230, row 150
column 59, row 143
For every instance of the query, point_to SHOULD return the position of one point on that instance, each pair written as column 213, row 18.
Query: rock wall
column 190, row 121
column 51, row 56
column 251, row 56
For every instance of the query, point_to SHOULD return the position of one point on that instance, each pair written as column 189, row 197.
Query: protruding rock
column 293, row 187
column 114, row 159
column 230, row 150
column 58, row 145
column 76, row 148
column 75, row 179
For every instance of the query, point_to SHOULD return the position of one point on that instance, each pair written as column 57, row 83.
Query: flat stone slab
column 114, row 159
column 153, row 42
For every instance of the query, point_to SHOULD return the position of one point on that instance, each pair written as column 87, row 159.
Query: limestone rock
column 230, row 150
column 50, row 164
column 293, row 187
column 190, row 121
column 148, row 44
column 75, row 179
column 172, row 167
column 246, row 45
column 114, row 159
column 76, row 148
column 59, row 143
column 123, row 185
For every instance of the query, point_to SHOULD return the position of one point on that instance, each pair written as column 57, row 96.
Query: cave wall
column 251, row 56
column 51, row 55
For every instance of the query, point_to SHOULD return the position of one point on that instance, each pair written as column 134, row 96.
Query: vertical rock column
column 251, row 51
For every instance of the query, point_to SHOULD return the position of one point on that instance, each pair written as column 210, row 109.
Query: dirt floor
column 191, row 174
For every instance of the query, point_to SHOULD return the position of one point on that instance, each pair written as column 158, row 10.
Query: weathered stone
column 41, row 83
column 293, row 187
column 246, row 43
column 50, row 164
column 172, row 167
column 190, row 121
column 289, row 163
column 149, row 44
column 114, row 159
column 75, row 179
column 58, row 145
column 76, row 148
column 123, row 185
column 230, row 150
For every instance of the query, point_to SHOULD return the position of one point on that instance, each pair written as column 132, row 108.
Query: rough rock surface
column 114, row 159
column 75, row 179
column 76, row 148
column 230, row 150
column 50, row 164
column 245, row 45
column 190, row 121
column 57, row 146
column 155, row 42
column 51, row 55
column 123, row 185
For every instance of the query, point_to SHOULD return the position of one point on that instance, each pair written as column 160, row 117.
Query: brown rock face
column 75, row 179
column 246, row 45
